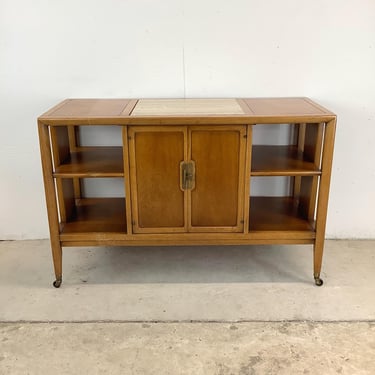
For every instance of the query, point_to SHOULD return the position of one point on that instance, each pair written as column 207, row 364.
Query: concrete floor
column 252, row 310
column 249, row 283
column 188, row 348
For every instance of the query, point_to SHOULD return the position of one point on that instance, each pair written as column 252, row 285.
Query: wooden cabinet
column 186, row 166
column 187, row 178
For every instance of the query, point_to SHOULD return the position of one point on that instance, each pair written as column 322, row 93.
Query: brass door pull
column 187, row 174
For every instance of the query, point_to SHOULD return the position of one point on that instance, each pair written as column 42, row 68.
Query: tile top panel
column 187, row 107
column 87, row 108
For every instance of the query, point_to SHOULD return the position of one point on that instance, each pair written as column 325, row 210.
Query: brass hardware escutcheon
column 187, row 174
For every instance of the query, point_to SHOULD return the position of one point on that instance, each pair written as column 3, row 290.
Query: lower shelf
column 97, row 215
column 276, row 214
column 272, row 219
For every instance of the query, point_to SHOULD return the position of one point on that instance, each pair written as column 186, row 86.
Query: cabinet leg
column 57, row 263
column 49, row 187
column 318, row 255
column 321, row 213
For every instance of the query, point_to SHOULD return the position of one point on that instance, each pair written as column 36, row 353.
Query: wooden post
column 53, row 219
column 321, row 216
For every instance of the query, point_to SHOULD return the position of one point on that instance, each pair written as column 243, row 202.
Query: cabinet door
column 216, row 202
column 155, row 155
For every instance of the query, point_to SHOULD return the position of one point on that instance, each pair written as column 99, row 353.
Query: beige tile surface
column 183, row 107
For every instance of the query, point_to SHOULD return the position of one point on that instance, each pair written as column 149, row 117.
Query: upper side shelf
column 92, row 162
column 281, row 161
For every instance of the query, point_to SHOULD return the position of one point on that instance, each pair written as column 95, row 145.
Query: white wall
column 51, row 50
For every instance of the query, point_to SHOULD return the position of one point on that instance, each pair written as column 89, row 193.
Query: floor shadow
column 185, row 264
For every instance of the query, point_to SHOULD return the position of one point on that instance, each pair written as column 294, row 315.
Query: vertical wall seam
column 183, row 46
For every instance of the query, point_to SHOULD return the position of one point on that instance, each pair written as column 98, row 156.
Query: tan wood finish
column 259, row 111
column 60, row 145
column 49, row 187
column 78, row 108
column 307, row 197
column 92, row 162
column 217, row 199
column 73, row 133
column 268, row 236
column 281, row 161
column 309, row 143
column 276, row 214
column 97, row 215
column 246, row 182
column 284, row 107
column 299, row 132
column 128, row 199
column 321, row 216
column 312, row 149
column 187, row 166
column 155, row 157
column 189, row 242
column 312, row 146
column 66, row 198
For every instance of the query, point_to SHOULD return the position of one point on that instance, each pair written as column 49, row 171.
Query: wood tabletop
column 74, row 108
column 185, row 111
column 284, row 106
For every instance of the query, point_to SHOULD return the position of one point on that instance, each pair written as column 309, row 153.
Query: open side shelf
column 281, row 161
column 276, row 214
column 97, row 215
column 92, row 162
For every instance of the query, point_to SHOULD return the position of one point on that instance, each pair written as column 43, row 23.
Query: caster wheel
column 318, row 281
column 57, row 283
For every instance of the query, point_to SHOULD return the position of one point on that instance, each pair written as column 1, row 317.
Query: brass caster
column 318, row 281
column 57, row 283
